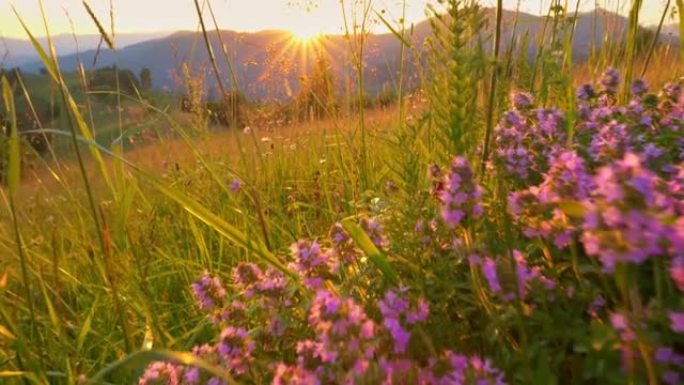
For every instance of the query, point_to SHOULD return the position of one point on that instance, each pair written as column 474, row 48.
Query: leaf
column 14, row 161
column 364, row 243
column 26, row 375
column 142, row 358
column 6, row 333
column 396, row 33
column 85, row 328
column 100, row 28
column 573, row 209
column 148, row 340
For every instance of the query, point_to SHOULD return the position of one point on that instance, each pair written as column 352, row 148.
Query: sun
column 305, row 33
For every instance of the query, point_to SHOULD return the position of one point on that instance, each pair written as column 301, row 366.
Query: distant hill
column 19, row 52
column 268, row 64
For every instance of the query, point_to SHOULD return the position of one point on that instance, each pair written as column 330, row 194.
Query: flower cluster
column 456, row 369
column 526, row 276
column 537, row 207
column 526, row 137
column 345, row 344
column 459, row 194
column 397, row 314
column 233, row 352
column 208, row 291
column 626, row 219
column 617, row 187
column 313, row 264
column 343, row 248
column 373, row 229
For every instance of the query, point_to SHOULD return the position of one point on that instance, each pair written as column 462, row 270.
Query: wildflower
column 489, row 271
column 272, row 283
column 677, row 272
column 246, row 276
column 313, row 264
column 161, row 373
column 398, row 313
column 461, row 195
column 373, row 229
column 344, row 334
column 235, row 311
column 598, row 303
column 623, row 222
column 235, row 349
column 235, row 186
column 677, row 322
column 671, row 378
column 585, row 92
column 672, row 92
column 452, row 368
column 621, row 325
column 208, row 291
column 639, row 87
column 294, row 375
column 343, row 246
column 610, row 81
column 521, row 101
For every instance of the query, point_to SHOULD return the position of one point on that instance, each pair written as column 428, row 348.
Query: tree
column 146, row 78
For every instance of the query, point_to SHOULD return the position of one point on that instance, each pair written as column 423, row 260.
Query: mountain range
column 20, row 52
column 269, row 64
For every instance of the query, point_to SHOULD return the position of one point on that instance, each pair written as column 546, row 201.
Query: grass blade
column 144, row 357
column 14, row 163
column 364, row 243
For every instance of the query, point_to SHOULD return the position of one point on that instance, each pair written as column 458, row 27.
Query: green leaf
column 573, row 209
column 364, row 243
column 14, row 162
column 18, row 374
column 53, row 70
column 85, row 328
column 396, row 33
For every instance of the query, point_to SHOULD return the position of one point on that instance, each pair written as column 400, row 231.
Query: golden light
column 305, row 33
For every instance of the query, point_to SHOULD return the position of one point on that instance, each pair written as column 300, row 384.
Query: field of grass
column 507, row 222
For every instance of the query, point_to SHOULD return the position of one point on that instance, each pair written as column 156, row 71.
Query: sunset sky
column 240, row 15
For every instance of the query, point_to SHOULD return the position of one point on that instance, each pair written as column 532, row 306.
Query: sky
column 302, row 17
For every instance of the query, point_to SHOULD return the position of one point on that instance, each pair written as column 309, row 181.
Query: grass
column 97, row 274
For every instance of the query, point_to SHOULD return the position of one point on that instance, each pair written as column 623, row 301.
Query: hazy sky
column 242, row 15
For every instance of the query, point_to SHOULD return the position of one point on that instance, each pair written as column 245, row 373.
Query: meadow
column 506, row 220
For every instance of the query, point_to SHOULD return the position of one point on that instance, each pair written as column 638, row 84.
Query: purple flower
column 160, row 372
column 313, row 264
column 235, row 186
column 246, row 276
column 208, row 291
column 344, row 334
column 489, row 271
column 373, row 229
column 610, row 81
column 639, row 87
column 460, row 197
column 677, row 272
column 235, row 349
column 585, row 92
column 398, row 312
column 624, row 222
column 677, row 322
column 521, row 100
